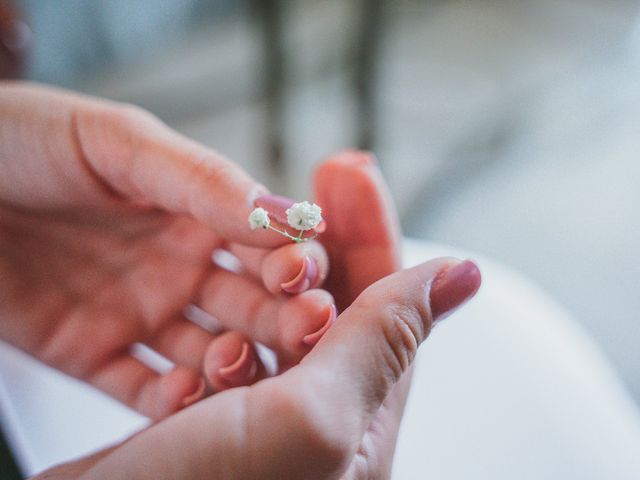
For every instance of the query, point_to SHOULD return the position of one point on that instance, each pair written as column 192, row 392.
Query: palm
column 96, row 286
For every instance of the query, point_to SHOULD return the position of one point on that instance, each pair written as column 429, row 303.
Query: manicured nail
column 243, row 370
column 195, row 396
column 314, row 337
column 452, row 287
column 305, row 279
column 277, row 207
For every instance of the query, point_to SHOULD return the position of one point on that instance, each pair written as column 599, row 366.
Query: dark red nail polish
column 452, row 287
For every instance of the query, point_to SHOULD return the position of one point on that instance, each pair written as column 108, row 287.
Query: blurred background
column 507, row 128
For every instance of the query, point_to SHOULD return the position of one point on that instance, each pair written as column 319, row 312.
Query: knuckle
column 125, row 127
column 216, row 172
column 403, row 329
column 212, row 174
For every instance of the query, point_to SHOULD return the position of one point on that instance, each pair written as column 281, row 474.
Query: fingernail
column 452, row 287
column 243, row 370
column 195, row 396
column 305, row 278
column 276, row 206
column 314, row 337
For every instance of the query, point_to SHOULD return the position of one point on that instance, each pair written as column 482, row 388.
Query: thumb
column 374, row 341
column 139, row 157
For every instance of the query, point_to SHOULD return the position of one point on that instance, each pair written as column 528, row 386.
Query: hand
column 337, row 413
column 107, row 224
column 315, row 420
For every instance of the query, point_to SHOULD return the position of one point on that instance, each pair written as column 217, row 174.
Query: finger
column 142, row 159
column 293, row 268
column 290, row 326
column 232, row 361
column 182, row 342
column 227, row 360
column 145, row 390
column 361, row 223
column 375, row 340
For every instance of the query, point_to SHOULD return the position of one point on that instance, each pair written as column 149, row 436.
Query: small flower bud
column 259, row 218
column 304, row 216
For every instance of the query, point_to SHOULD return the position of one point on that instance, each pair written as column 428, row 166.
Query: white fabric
column 509, row 387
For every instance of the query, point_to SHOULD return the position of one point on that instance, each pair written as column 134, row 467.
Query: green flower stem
column 297, row 239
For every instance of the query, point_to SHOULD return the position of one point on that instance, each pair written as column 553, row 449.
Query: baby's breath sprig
column 302, row 216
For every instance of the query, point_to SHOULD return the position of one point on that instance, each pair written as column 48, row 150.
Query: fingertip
column 452, row 287
column 295, row 268
column 303, row 320
column 350, row 181
column 312, row 338
column 348, row 157
column 305, row 278
column 231, row 361
column 180, row 388
column 196, row 395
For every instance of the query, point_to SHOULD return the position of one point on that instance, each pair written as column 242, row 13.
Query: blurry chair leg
column 364, row 84
column 270, row 15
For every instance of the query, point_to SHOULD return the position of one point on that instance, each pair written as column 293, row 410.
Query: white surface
column 511, row 388
column 508, row 388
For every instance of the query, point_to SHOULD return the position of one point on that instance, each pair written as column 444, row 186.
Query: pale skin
column 107, row 223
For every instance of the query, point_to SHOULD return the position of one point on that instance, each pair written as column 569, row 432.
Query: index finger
column 145, row 161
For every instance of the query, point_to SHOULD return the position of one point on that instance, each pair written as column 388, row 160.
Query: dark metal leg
column 365, row 76
column 270, row 15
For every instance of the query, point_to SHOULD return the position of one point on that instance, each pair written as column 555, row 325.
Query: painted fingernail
column 195, row 396
column 452, row 287
column 276, row 206
column 314, row 337
column 243, row 370
column 305, row 279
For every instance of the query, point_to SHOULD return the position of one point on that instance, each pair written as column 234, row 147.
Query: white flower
column 259, row 218
column 304, row 215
